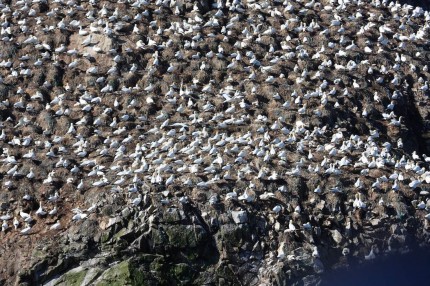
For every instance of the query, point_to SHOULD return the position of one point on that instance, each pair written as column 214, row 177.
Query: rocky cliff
column 206, row 143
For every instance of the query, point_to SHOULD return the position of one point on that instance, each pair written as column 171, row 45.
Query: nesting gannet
column 26, row 230
column 4, row 226
column 40, row 212
column 358, row 203
column 56, row 226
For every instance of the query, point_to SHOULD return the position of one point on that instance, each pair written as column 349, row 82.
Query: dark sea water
column 422, row 3
column 412, row 268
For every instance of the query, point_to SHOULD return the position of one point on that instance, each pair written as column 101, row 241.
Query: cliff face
column 196, row 142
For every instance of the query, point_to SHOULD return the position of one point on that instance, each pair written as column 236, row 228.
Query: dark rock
column 318, row 266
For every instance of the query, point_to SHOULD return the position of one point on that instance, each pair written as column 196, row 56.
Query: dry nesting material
column 62, row 124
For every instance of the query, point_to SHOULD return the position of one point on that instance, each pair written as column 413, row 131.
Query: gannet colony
column 236, row 142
